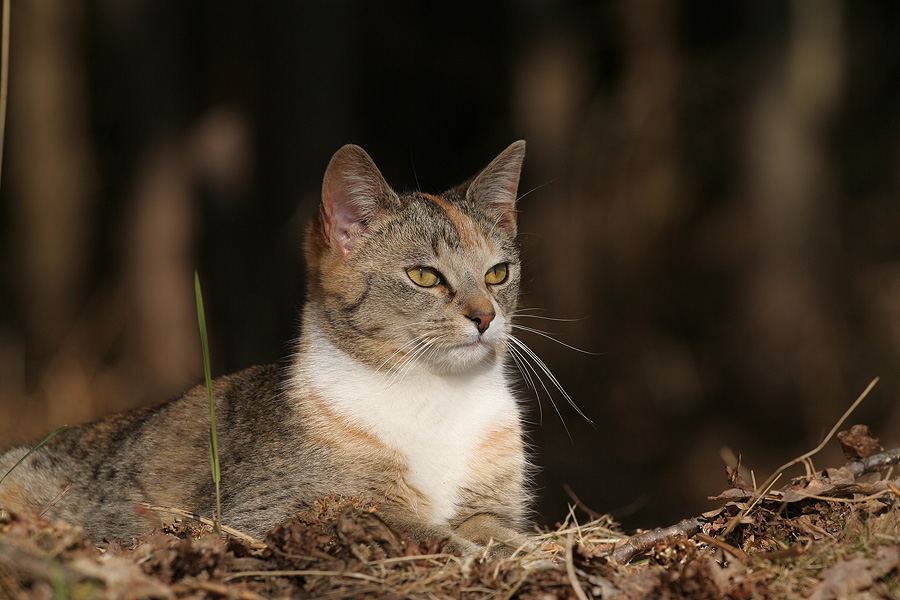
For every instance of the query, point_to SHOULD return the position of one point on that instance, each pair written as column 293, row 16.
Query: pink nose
column 482, row 321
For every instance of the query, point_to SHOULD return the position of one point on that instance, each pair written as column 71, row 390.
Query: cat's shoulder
column 261, row 386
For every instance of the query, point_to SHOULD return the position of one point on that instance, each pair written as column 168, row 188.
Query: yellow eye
column 424, row 276
column 496, row 274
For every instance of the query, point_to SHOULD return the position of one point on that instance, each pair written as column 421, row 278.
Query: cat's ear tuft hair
column 495, row 188
column 353, row 193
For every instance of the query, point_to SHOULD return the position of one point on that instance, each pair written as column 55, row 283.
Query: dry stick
column 735, row 552
column 757, row 495
column 884, row 492
column 55, row 500
column 781, row 554
column 570, row 570
column 255, row 543
column 637, row 544
column 512, row 591
column 642, row 542
column 874, row 462
column 305, row 572
column 399, row 559
column 894, row 489
column 590, row 512
column 218, row 589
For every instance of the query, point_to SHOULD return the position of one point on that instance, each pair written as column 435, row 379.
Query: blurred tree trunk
column 612, row 197
column 51, row 178
column 794, row 333
column 53, row 172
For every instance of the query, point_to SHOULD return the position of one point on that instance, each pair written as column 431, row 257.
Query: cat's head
column 415, row 280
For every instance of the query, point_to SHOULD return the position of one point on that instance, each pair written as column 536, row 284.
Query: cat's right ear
column 353, row 193
column 495, row 188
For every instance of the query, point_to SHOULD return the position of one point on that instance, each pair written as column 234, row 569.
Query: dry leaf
column 858, row 442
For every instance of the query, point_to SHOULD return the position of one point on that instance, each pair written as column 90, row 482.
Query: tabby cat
column 398, row 391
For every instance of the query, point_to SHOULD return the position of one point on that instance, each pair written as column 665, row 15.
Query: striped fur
column 396, row 393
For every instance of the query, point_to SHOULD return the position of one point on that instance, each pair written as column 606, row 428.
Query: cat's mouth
column 470, row 344
column 481, row 341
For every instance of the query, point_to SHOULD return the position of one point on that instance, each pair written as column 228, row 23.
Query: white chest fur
column 435, row 422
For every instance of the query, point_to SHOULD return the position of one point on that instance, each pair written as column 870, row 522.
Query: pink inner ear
column 341, row 218
column 353, row 193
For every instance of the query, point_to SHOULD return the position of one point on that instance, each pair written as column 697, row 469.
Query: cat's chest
column 437, row 425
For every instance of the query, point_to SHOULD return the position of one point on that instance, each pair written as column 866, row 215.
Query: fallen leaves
column 858, row 442
column 855, row 574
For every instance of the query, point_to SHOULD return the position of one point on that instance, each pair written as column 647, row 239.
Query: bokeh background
column 711, row 194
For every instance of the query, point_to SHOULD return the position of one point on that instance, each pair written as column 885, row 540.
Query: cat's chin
column 460, row 358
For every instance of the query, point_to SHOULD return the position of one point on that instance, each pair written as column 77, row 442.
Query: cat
column 398, row 391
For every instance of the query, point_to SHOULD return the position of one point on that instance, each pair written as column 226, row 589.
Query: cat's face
column 416, row 280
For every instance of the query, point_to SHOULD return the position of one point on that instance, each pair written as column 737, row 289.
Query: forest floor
column 828, row 534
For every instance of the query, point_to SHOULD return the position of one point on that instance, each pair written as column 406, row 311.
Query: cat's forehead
column 449, row 220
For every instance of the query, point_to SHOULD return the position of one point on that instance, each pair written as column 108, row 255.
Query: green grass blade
column 30, row 452
column 213, row 443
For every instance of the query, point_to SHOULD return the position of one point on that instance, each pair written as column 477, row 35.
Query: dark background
column 712, row 195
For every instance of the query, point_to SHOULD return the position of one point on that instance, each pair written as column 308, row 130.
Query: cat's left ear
column 496, row 187
column 353, row 193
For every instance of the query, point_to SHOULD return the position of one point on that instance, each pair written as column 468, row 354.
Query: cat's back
column 97, row 472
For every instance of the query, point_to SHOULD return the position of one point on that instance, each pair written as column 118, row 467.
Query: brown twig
column 219, row 589
column 781, row 554
column 771, row 480
column 305, row 573
column 874, row 462
column 894, row 489
column 642, row 542
column 249, row 539
column 570, row 570
column 55, row 500
column 590, row 512
column 735, row 552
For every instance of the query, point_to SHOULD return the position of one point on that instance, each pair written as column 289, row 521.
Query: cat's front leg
column 485, row 529
column 422, row 531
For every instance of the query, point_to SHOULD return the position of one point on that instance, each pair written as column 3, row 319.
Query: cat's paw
column 463, row 546
column 520, row 545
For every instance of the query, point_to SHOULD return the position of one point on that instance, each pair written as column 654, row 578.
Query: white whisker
column 543, row 385
column 413, row 359
column 399, row 350
column 546, row 370
column 408, row 357
column 418, row 353
column 534, row 189
column 553, row 339
column 524, row 368
column 517, row 358
column 521, row 313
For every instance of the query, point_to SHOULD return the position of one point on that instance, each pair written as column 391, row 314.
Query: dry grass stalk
column 778, row 472
column 183, row 514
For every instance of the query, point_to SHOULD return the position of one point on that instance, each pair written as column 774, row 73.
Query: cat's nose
column 482, row 320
